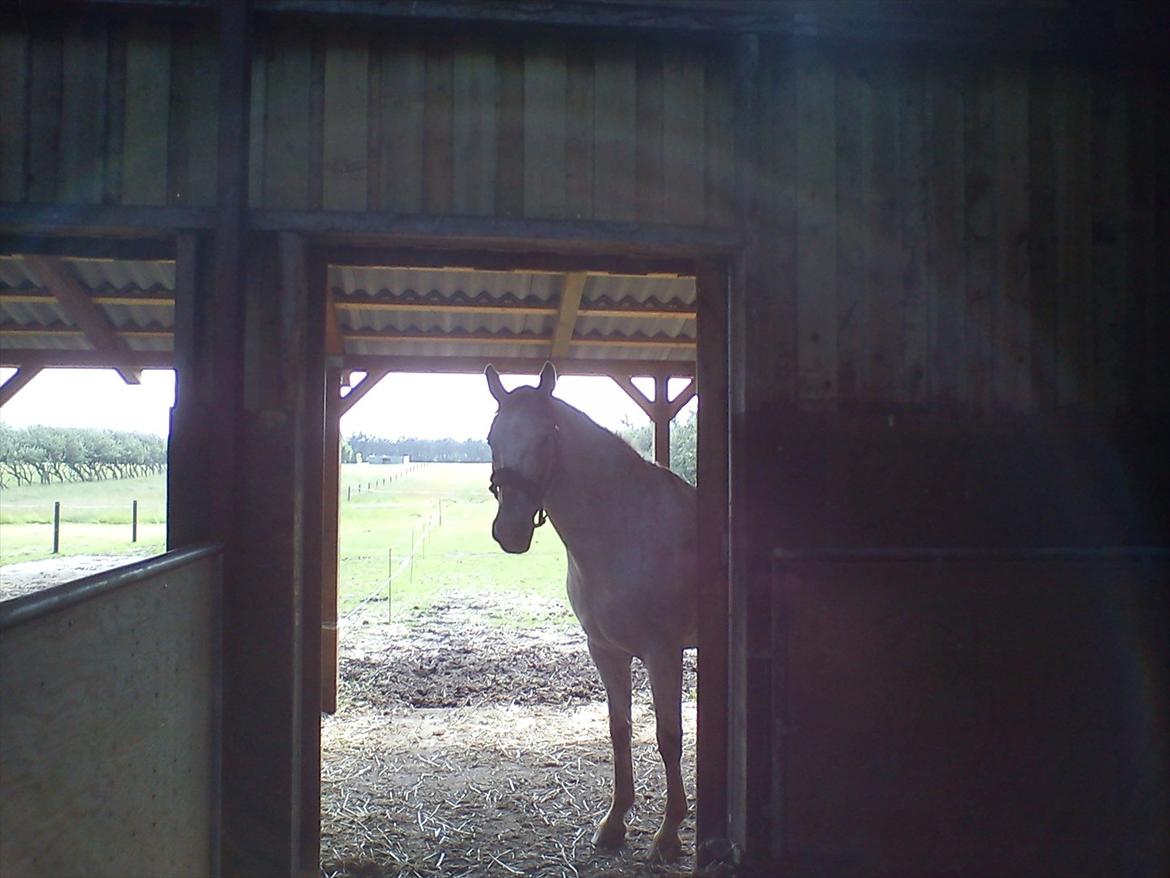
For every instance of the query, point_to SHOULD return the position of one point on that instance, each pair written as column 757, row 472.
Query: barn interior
column 912, row 256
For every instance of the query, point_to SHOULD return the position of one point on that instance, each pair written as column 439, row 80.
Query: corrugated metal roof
column 386, row 311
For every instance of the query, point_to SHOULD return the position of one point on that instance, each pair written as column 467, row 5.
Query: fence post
column 133, row 521
column 56, row 526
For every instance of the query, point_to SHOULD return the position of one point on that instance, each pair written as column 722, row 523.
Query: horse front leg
column 666, row 686
column 614, row 668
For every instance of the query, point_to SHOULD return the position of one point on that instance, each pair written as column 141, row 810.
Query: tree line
column 32, row 455
column 683, row 443
column 360, row 447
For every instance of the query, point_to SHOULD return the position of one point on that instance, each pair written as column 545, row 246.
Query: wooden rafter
column 76, row 303
column 17, row 382
column 574, row 286
column 359, row 390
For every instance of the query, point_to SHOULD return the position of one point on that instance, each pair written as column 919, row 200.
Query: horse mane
column 624, row 453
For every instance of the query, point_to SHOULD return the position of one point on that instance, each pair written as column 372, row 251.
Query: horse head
column 523, row 439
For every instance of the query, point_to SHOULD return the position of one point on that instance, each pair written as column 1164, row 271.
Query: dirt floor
column 464, row 745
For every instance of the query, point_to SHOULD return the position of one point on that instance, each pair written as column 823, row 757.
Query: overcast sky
column 425, row 406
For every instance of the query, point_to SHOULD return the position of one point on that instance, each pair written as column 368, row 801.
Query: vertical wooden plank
column 979, row 234
column 376, row 132
column 648, row 171
column 544, row 128
column 178, row 131
column 14, row 53
column 854, row 118
column 579, row 131
column 147, row 118
column 1042, row 266
column 777, row 202
column 946, row 237
column 317, row 52
column 816, row 153
column 256, row 122
column 1158, row 303
column 883, row 207
column 614, row 126
column 911, row 385
column 475, row 133
column 83, row 114
column 1074, row 217
column 438, row 145
column 203, row 124
column 403, row 75
column 346, row 129
column 718, row 137
column 1012, row 309
column 44, row 114
column 1110, row 239
column 1149, row 205
column 683, row 136
column 510, row 163
column 288, row 66
column 115, row 113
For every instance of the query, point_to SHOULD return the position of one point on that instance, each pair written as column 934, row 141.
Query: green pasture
column 443, row 511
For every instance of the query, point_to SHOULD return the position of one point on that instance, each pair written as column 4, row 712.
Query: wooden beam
column 57, row 359
column 361, row 303
column 632, row 390
column 88, row 220
column 60, row 330
column 75, row 302
column 20, row 297
column 661, row 418
column 359, row 390
column 571, row 290
column 598, row 240
column 16, row 382
column 147, row 249
column 489, row 338
column 685, row 395
column 529, row 261
column 518, row 365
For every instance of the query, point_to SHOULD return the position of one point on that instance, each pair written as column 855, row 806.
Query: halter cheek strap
column 510, row 477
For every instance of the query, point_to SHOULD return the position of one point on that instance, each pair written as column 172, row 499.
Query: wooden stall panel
column 972, row 718
column 108, row 739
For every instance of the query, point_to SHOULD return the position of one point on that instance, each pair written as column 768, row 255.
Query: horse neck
column 591, row 462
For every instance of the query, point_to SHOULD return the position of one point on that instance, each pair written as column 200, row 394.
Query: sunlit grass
column 441, row 512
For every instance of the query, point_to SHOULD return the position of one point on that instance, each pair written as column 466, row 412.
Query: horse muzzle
column 513, row 535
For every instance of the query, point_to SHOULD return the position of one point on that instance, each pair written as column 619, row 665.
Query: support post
column 662, row 419
column 711, row 808
column 330, row 555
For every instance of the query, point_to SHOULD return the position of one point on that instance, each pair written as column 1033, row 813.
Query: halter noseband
column 510, row 477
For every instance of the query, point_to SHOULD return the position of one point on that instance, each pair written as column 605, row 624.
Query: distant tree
column 683, row 456
column 67, row 454
column 424, row 450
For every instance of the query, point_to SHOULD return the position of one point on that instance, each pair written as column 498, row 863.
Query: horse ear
column 494, row 384
column 548, row 379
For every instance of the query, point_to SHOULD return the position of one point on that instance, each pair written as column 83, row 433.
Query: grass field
column 384, row 511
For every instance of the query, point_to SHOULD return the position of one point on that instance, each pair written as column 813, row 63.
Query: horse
column 629, row 532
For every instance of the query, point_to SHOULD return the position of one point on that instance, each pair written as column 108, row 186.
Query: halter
column 510, row 477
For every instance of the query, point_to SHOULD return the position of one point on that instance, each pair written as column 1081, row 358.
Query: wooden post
column 133, row 521
column 662, row 419
column 711, row 801
column 56, row 526
column 330, row 555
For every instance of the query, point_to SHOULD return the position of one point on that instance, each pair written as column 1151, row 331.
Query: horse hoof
column 665, row 850
column 609, row 837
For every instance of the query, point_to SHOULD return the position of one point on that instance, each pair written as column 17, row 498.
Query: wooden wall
column 976, row 233
column 108, row 737
column 971, row 231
